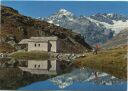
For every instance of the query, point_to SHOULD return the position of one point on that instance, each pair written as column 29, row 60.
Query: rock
column 12, row 43
column 125, row 56
column 2, row 39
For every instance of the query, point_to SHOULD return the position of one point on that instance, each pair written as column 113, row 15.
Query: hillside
column 112, row 61
column 15, row 27
column 118, row 40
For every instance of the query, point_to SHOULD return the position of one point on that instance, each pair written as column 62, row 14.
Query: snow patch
column 50, row 21
column 110, row 14
column 65, row 12
column 119, row 26
column 57, row 24
column 116, row 27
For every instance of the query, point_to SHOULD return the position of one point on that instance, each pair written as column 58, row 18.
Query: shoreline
column 112, row 61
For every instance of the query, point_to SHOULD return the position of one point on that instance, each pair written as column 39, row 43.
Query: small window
column 38, row 66
column 39, row 45
column 35, row 66
column 35, row 45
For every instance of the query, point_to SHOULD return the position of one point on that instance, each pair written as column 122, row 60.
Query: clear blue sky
column 46, row 8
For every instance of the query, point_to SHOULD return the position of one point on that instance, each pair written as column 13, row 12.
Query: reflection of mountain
column 83, row 76
column 96, row 28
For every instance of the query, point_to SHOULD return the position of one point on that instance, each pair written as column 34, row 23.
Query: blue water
column 82, row 80
column 88, row 86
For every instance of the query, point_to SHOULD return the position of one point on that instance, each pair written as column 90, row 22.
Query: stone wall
column 39, row 46
column 53, row 46
column 43, row 64
column 36, row 64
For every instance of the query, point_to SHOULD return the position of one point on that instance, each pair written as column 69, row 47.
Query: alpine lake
column 71, row 78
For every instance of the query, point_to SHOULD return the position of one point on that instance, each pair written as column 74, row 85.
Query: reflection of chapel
column 41, row 44
column 42, row 67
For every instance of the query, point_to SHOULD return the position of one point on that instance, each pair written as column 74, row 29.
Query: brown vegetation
column 113, row 61
column 15, row 27
column 5, row 47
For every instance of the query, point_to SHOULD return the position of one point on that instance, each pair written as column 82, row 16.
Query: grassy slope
column 30, row 55
column 113, row 61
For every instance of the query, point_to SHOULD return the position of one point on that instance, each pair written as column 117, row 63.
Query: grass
column 30, row 55
column 113, row 61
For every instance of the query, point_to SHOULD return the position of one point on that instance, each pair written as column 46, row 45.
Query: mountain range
column 98, row 28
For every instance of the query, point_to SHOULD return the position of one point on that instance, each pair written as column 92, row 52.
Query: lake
column 80, row 79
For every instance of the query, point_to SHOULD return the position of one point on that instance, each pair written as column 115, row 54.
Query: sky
column 47, row 8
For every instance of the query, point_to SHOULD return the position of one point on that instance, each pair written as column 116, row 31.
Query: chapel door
column 49, row 46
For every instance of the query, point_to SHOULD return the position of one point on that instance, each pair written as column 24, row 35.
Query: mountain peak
column 65, row 12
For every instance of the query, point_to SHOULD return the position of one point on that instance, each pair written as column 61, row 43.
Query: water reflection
column 80, row 79
column 25, row 72
column 85, row 75
column 50, row 67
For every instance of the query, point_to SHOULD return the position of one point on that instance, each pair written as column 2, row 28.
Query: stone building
column 49, row 44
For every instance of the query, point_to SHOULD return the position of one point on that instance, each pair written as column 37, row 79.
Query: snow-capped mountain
column 62, row 16
column 111, row 21
column 83, row 76
column 108, row 18
column 96, row 28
